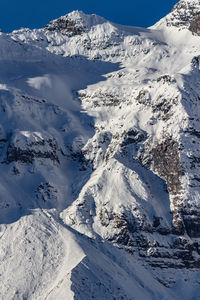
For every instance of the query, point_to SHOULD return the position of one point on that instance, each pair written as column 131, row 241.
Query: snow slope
column 99, row 164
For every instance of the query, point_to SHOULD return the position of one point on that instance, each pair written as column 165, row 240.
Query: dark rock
column 195, row 63
column 28, row 155
column 143, row 97
column 156, row 221
column 133, row 137
column 165, row 79
column 192, row 225
column 45, row 192
column 66, row 26
column 195, row 24
column 183, row 14
column 166, row 163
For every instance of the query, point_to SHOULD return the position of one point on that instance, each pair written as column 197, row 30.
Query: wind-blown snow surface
column 99, row 143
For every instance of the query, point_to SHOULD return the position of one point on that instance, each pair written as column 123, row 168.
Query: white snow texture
column 99, row 160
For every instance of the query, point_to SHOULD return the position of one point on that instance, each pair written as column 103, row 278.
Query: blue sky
column 36, row 13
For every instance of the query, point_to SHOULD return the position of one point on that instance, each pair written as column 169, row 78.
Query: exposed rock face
column 65, row 26
column 25, row 147
column 195, row 24
column 192, row 224
column 46, row 194
column 166, row 162
column 185, row 15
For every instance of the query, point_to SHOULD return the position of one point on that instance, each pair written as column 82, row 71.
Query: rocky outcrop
column 46, row 193
column 25, row 147
column 166, row 163
column 66, row 26
column 183, row 14
column 195, row 24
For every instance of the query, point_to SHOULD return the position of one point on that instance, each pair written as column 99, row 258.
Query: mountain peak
column 75, row 22
column 184, row 15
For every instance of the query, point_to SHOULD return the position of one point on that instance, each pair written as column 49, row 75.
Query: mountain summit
column 99, row 159
column 75, row 23
column 185, row 14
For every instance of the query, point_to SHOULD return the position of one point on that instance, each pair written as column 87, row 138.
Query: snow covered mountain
column 100, row 161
